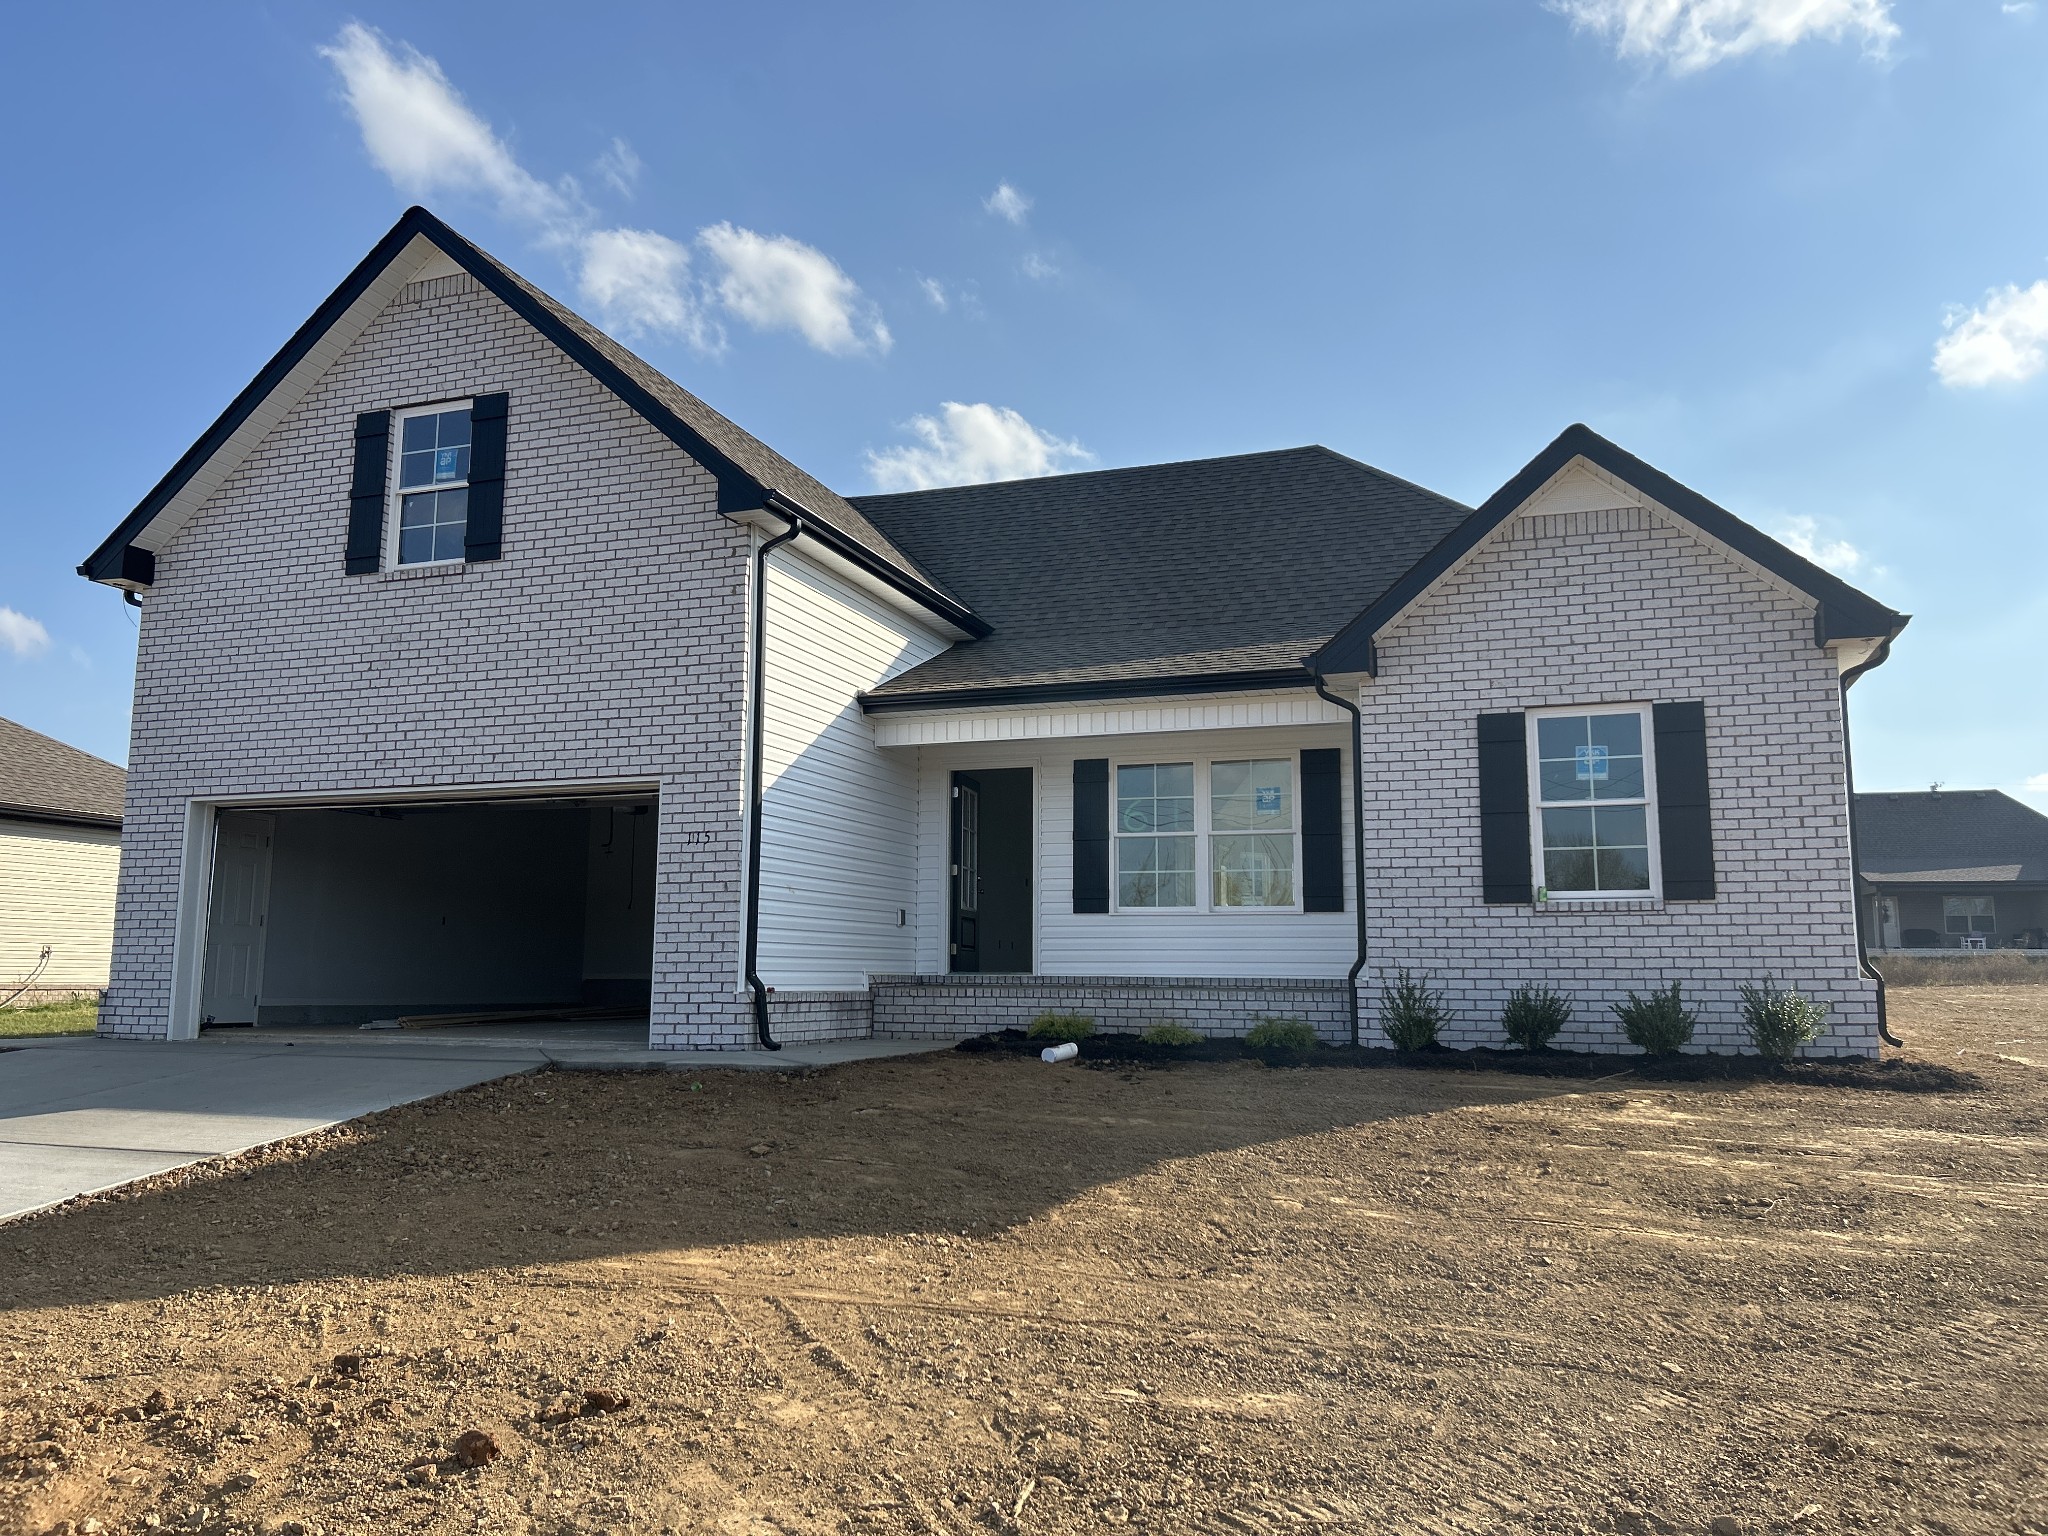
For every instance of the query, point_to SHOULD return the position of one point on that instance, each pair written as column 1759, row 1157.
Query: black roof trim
column 1844, row 612
column 58, row 818
column 738, row 489
column 815, row 527
column 1084, row 691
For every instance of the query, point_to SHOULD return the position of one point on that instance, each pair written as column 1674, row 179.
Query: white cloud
column 1038, row 268
column 1689, row 35
column 2018, row 7
column 420, row 132
column 2037, row 785
column 775, row 283
column 1006, row 202
column 639, row 283
column 935, row 291
column 21, row 634
column 1802, row 536
column 2004, row 340
column 971, row 444
column 620, row 168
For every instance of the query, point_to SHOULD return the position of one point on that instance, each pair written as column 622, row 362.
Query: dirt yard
column 953, row 1294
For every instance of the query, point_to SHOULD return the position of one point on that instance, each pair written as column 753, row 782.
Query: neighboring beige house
column 60, row 856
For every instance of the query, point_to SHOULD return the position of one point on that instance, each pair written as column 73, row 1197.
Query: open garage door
column 352, row 914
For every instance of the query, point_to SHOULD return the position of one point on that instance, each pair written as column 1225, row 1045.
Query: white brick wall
column 604, row 645
column 947, row 1006
column 1596, row 607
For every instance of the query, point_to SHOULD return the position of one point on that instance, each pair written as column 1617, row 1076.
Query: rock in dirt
column 476, row 1449
column 348, row 1365
column 598, row 1400
column 1724, row 1525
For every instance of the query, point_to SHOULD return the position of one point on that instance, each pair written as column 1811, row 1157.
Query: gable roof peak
column 747, row 470
column 1841, row 611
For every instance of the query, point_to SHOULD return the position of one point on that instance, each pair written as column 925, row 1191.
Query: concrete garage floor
column 82, row 1114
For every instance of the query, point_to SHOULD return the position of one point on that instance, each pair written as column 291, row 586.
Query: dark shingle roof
column 1109, row 580
column 1950, row 837
column 767, row 467
column 40, row 776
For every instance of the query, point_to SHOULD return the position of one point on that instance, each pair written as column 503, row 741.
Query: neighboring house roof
column 1950, row 837
column 747, row 470
column 1209, row 574
column 41, row 779
column 1842, row 613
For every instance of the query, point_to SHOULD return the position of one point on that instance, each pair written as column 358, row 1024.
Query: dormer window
column 431, row 511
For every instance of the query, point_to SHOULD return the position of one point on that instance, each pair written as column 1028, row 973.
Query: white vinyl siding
column 1235, row 943
column 840, row 816
column 57, row 888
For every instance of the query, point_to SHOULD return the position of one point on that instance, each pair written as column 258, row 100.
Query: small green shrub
column 1277, row 1034
column 1660, row 1023
column 1411, row 1014
column 1166, row 1032
column 1780, row 1022
column 1534, row 1014
column 1060, row 1028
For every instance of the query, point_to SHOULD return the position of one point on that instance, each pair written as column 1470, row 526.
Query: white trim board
column 1121, row 717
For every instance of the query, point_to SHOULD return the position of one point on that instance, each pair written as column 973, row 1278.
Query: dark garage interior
column 355, row 914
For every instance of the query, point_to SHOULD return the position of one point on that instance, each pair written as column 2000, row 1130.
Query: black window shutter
column 365, row 550
column 1504, row 809
column 1091, row 834
column 484, row 532
column 1685, row 822
column 1322, row 830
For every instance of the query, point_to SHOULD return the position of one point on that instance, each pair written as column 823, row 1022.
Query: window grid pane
column 431, row 525
column 1251, row 870
column 434, row 449
column 1155, row 843
column 1590, row 757
column 1596, row 849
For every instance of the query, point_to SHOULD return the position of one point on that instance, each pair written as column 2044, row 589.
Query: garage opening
column 410, row 912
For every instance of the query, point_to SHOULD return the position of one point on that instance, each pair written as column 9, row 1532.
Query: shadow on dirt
column 571, row 1166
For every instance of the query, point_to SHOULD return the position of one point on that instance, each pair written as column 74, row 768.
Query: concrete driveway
column 79, row 1115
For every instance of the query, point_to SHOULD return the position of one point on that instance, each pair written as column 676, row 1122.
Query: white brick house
column 482, row 667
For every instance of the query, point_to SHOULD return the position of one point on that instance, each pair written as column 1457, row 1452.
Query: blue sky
column 1794, row 252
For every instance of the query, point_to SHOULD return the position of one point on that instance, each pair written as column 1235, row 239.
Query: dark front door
column 991, row 870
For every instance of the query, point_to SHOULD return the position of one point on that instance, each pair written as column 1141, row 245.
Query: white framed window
column 1969, row 914
column 1252, row 853
column 428, row 513
column 1207, row 836
column 1592, row 802
column 1155, row 835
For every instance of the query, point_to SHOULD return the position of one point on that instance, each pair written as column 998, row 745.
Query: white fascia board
column 1573, row 489
column 1107, row 717
column 419, row 254
column 769, row 524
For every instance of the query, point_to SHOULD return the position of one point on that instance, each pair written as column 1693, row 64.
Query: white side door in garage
column 234, row 928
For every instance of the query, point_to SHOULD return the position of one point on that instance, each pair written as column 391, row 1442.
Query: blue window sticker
column 1266, row 799
column 1591, row 762
column 445, row 464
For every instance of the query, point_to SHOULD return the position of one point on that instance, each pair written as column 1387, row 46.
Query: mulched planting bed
column 1896, row 1075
